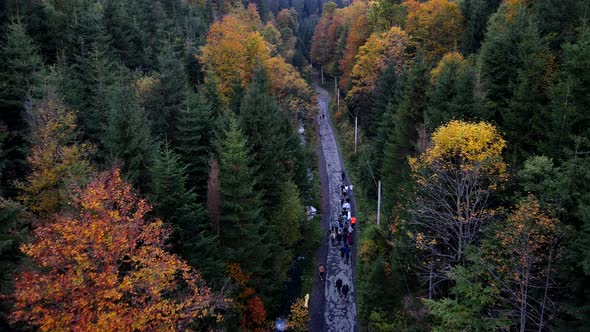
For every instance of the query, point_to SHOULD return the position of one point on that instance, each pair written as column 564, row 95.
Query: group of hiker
column 342, row 229
column 342, row 234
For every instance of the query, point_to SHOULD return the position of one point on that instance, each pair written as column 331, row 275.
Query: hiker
column 346, row 206
column 339, row 235
column 343, row 176
column 343, row 251
column 350, row 189
column 333, row 236
column 322, row 270
column 353, row 222
column 350, row 229
column 335, row 225
column 345, row 290
column 339, row 285
column 350, row 240
column 347, row 254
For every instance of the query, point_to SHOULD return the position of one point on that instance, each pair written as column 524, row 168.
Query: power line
column 384, row 213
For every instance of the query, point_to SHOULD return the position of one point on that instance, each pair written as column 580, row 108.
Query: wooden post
column 379, row 203
column 355, row 132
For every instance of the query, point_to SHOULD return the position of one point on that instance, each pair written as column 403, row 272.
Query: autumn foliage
column 374, row 55
column 437, row 25
column 104, row 267
column 57, row 162
column 234, row 48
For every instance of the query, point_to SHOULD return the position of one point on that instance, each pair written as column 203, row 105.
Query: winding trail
column 328, row 310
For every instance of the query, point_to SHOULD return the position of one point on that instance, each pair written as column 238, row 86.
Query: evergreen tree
column 170, row 93
column 21, row 73
column 193, row 139
column 453, row 95
column 570, row 97
column 525, row 121
column 499, row 57
column 192, row 237
column 285, row 226
column 126, row 137
column 85, row 39
column 476, row 14
column 408, row 127
column 386, row 98
column 241, row 229
column 126, row 37
column 264, row 125
column 513, row 60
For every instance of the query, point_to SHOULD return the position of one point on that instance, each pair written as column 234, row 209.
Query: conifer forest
column 295, row 165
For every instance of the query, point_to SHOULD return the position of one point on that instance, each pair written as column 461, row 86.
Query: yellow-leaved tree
column 437, row 26
column 373, row 57
column 57, row 162
column 455, row 178
column 232, row 52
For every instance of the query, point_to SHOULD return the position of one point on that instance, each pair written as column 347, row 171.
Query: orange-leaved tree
column 374, row 55
column 232, row 52
column 437, row 26
column 358, row 33
column 103, row 267
column 455, row 178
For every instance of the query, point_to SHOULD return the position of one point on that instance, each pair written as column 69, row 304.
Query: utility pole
column 355, row 132
column 379, row 203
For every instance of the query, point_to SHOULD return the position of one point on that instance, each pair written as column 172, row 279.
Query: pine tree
column 170, row 93
column 513, row 67
column 453, row 94
column 476, row 14
column 499, row 58
column 285, row 226
column 570, row 97
column 85, row 38
column 193, row 139
column 21, row 73
column 175, row 203
column 525, row 121
column 126, row 137
column 264, row 124
column 241, row 229
column 403, row 137
column 386, row 96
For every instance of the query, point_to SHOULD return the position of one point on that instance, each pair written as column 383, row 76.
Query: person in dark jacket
column 345, row 290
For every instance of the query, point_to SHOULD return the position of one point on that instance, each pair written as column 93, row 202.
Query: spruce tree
column 386, row 97
column 476, row 14
column 193, row 139
column 241, row 224
column 264, row 124
column 403, row 137
column 85, row 38
column 525, row 120
column 453, row 96
column 570, row 97
column 126, row 137
column 170, row 93
column 193, row 237
column 21, row 73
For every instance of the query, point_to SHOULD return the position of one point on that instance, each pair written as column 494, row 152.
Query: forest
column 473, row 117
column 158, row 157
column 152, row 171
